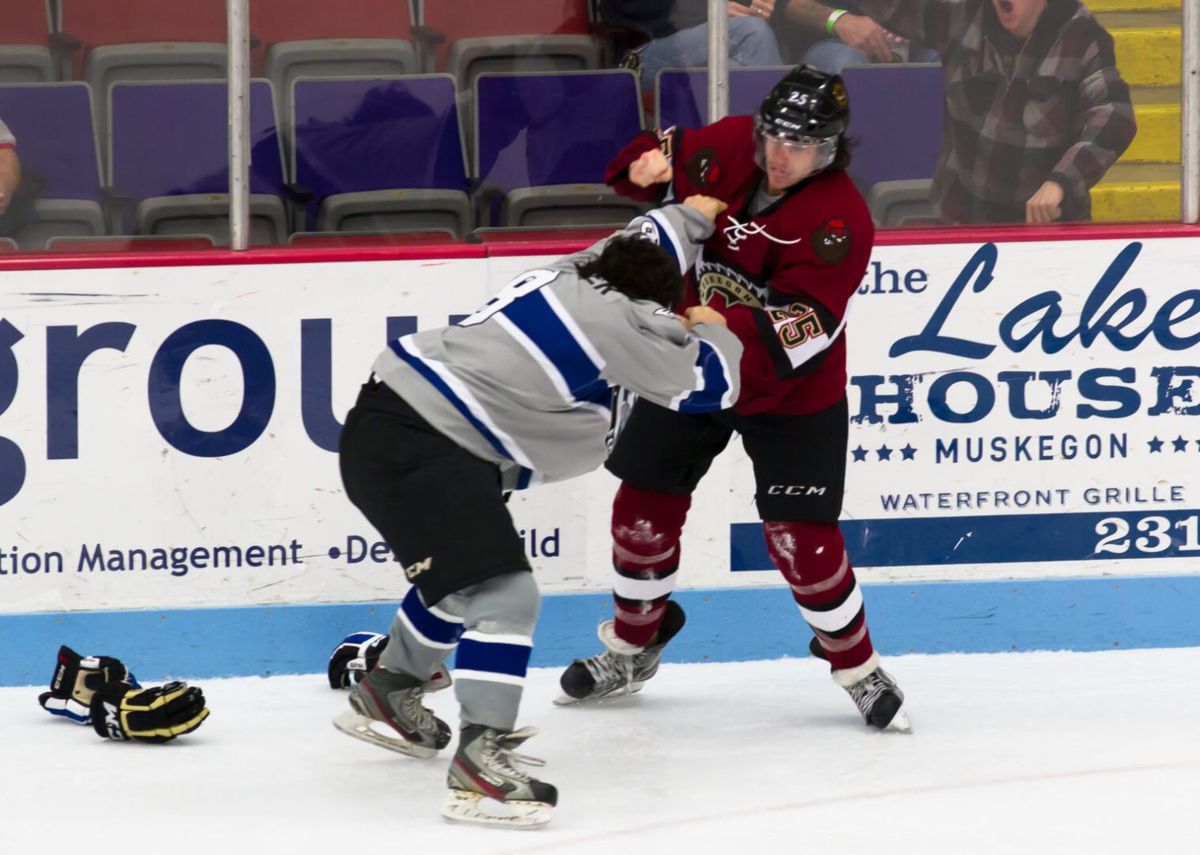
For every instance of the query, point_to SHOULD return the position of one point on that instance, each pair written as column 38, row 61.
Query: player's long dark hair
column 639, row 269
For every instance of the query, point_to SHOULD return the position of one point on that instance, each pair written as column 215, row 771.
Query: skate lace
column 416, row 712
column 501, row 756
column 869, row 689
column 610, row 671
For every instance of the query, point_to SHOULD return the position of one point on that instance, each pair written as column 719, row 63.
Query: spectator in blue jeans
column 677, row 32
column 850, row 38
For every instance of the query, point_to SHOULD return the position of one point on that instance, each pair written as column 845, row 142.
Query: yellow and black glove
column 158, row 714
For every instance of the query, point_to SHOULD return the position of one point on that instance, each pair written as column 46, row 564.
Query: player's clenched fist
column 707, row 205
column 651, row 168
column 702, row 315
column 158, row 714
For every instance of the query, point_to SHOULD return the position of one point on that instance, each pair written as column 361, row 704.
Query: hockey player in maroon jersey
column 782, row 266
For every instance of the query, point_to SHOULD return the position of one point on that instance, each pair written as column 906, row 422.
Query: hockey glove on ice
column 158, row 714
column 357, row 655
column 354, row 657
column 76, row 679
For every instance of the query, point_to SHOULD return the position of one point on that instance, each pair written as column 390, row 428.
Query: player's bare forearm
column 10, row 177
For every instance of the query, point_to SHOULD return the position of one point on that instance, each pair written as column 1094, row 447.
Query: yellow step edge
column 1158, row 134
column 1136, row 202
column 1148, row 56
column 1132, row 5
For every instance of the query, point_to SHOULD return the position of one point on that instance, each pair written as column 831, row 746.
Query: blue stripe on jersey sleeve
column 438, row 383
column 715, row 383
column 426, row 622
column 668, row 240
column 494, row 657
column 534, row 317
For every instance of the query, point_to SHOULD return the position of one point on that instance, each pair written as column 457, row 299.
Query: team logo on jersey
column 734, row 288
column 831, row 240
column 737, row 232
column 703, row 169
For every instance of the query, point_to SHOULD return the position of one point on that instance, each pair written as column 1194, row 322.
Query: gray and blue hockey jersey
column 528, row 380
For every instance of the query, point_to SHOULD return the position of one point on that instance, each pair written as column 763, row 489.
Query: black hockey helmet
column 807, row 103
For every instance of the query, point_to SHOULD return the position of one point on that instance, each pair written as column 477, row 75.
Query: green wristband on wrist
column 833, row 19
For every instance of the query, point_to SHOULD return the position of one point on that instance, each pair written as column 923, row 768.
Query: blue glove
column 354, row 657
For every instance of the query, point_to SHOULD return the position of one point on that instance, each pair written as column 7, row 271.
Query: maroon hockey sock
column 812, row 558
column 645, row 530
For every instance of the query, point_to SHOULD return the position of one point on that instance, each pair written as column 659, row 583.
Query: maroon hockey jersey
column 783, row 278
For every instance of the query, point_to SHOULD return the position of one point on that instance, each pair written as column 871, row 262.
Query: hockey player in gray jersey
column 519, row 393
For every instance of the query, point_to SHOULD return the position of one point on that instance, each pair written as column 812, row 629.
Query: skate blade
column 379, row 733
column 565, row 700
column 477, row 809
column 899, row 723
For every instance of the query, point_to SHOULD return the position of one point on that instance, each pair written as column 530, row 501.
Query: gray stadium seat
column 397, row 211
column 25, row 64
column 287, row 61
column 576, row 204
column 901, row 202
column 56, row 217
column 208, row 215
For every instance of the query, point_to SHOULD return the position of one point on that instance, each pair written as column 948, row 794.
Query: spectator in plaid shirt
column 1036, row 111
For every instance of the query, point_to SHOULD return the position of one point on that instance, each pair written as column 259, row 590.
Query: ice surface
column 1012, row 753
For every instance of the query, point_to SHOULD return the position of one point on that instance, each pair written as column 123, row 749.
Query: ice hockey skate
column 386, row 710
column 622, row 668
column 875, row 693
column 486, row 788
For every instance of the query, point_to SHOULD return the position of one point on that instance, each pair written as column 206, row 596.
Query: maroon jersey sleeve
column 617, row 173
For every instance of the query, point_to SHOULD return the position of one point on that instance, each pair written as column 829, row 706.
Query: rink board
column 724, row 625
column 1023, row 419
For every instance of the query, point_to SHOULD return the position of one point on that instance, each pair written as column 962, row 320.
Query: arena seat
column 53, row 126
column 546, row 141
column 153, row 38
column 471, row 37
column 130, row 243
column 107, row 41
column 381, row 154
column 8, row 245
column 369, row 238
column 681, row 95
column 903, row 202
column 315, row 38
column 520, row 234
column 24, row 45
column 895, row 120
column 168, row 160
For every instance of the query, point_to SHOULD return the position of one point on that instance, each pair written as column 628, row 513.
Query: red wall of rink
column 423, row 248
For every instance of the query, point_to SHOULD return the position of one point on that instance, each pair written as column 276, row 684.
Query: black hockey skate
column 386, row 710
column 487, row 788
column 621, row 668
column 875, row 693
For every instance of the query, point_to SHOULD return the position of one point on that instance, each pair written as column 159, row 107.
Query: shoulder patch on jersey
column 831, row 240
column 703, row 169
column 666, row 141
